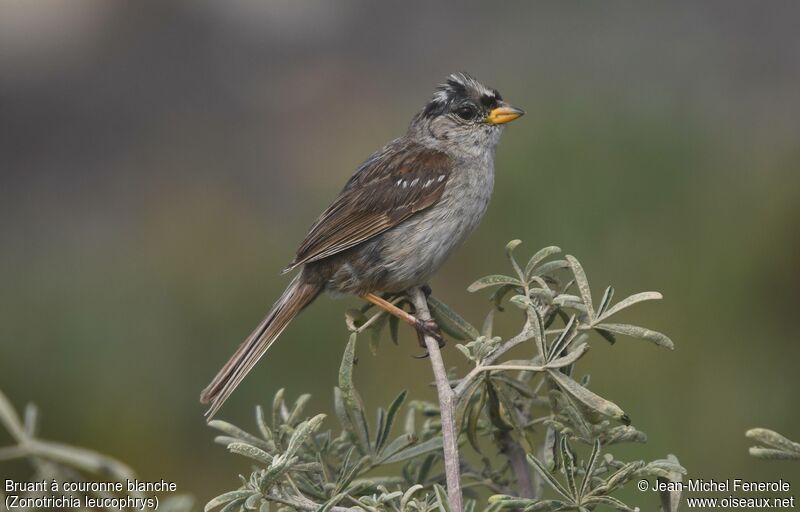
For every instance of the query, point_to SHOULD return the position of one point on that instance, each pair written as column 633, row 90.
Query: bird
column 395, row 222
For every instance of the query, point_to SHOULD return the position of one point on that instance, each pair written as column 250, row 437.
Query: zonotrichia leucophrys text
column 397, row 219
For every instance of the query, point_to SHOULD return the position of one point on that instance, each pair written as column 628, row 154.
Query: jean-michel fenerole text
column 727, row 485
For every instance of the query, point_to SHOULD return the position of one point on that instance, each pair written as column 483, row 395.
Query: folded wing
column 390, row 187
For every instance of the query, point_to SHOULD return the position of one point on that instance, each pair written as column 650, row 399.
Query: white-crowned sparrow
column 397, row 219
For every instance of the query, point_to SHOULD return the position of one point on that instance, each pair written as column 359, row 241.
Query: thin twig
column 446, row 406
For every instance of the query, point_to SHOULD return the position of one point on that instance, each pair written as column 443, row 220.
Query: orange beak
column 504, row 114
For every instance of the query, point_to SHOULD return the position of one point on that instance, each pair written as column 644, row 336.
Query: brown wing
column 392, row 185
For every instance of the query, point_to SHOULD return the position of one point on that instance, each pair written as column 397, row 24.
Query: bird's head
column 463, row 114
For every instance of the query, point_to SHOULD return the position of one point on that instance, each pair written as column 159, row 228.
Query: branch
column 446, row 406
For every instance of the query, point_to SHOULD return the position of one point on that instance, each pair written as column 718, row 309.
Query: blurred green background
column 161, row 160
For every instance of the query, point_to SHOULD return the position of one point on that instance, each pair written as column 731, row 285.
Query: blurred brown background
column 161, row 160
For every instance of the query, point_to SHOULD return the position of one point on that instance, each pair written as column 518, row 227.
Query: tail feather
column 297, row 296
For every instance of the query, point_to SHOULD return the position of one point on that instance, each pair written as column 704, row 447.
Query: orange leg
column 430, row 328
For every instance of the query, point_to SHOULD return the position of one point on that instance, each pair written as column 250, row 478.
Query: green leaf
column 622, row 475
column 277, row 406
column 328, row 505
column 469, row 505
column 590, row 467
column 563, row 339
column 408, row 495
column 415, row 450
column 510, row 412
column 570, row 358
column 547, row 506
column 9, row 418
column 550, row 267
column 568, row 460
column 773, row 454
column 608, row 336
column 441, row 498
column 624, row 434
column 637, row 332
column 346, row 368
column 450, row 321
column 390, row 417
column 225, row 498
column 587, row 398
column 251, row 452
column 410, row 421
column 493, row 280
column 302, row 433
column 570, row 409
column 499, row 295
column 341, row 411
column 549, row 478
column 261, row 421
column 669, row 469
column 400, row 443
column 583, row 285
column 473, row 416
column 297, row 410
column 510, row 246
column 670, row 500
column 630, row 301
column 353, row 405
column 537, row 330
column 612, row 502
column 569, row 301
column 773, row 439
column 606, row 300
column 79, row 458
column 236, row 432
column 488, row 324
column 537, row 258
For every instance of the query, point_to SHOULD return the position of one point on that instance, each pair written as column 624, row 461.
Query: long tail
column 298, row 295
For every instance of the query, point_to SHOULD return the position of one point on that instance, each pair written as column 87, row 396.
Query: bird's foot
column 428, row 328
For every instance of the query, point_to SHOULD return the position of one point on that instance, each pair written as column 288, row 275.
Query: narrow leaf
column 563, row 339
column 251, row 452
column 637, row 332
column 590, row 466
column 587, row 398
column 773, row 439
column 441, row 498
column 450, row 321
column 390, row 416
column 510, row 246
column 630, row 301
column 225, row 498
column 606, row 300
column 493, row 280
column 570, row 358
column 583, row 285
column 537, row 258
column 549, row 478
column 430, row 445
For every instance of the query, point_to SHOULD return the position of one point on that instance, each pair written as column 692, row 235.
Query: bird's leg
column 428, row 327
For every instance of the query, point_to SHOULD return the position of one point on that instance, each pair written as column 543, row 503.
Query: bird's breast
column 415, row 249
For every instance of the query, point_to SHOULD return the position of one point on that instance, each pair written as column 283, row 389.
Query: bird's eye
column 466, row 112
